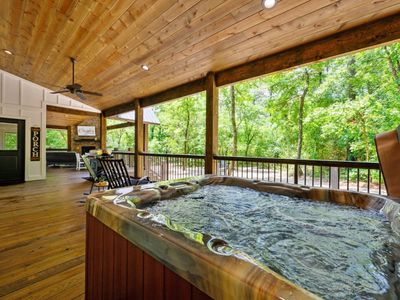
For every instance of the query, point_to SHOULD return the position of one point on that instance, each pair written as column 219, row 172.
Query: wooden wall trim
column 365, row 36
column 355, row 39
column 71, row 111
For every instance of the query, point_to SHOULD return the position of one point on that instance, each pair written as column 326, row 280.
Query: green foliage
column 182, row 126
column 10, row 141
column 347, row 101
column 56, row 139
column 122, row 138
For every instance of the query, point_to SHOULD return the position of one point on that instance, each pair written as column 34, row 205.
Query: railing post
column 167, row 168
column 296, row 174
column 138, row 140
column 211, row 123
column 334, row 180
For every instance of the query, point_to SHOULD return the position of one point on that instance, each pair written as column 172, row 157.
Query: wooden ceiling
column 55, row 119
column 180, row 40
column 63, row 117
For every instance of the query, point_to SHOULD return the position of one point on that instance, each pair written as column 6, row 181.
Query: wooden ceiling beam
column 122, row 125
column 180, row 91
column 71, row 111
column 120, row 109
column 48, row 126
column 355, row 39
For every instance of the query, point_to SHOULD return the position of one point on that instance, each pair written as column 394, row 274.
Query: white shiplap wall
column 22, row 99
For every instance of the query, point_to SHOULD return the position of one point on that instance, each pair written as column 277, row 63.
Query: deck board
column 42, row 244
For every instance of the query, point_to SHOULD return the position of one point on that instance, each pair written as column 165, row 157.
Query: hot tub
column 136, row 252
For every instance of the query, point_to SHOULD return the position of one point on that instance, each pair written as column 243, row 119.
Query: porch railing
column 173, row 166
column 345, row 175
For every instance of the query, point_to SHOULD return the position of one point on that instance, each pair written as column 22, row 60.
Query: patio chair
column 117, row 174
column 93, row 176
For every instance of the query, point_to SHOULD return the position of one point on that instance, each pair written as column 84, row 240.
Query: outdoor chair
column 117, row 174
column 93, row 176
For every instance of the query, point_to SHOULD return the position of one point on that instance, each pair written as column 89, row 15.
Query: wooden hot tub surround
column 133, row 254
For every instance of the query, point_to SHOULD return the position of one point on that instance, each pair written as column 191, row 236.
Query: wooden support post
column 145, row 143
column 139, row 130
column 145, row 137
column 103, row 132
column 69, row 138
column 211, row 123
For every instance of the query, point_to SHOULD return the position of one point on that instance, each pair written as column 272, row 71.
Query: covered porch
column 136, row 55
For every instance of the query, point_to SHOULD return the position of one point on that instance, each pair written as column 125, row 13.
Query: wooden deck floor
column 42, row 237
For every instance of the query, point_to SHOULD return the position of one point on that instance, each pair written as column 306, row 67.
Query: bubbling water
column 334, row 251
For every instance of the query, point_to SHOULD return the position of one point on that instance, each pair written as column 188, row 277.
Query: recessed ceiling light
column 268, row 3
column 8, row 52
column 145, row 67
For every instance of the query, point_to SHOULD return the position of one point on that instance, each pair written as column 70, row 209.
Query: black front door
column 12, row 151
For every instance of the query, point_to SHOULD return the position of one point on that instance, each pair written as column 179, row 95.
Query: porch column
column 103, row 131
column 211, row 124
column 139, row 130
column 145, row 143
column 69, row 138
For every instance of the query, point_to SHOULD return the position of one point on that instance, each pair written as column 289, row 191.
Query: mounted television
column 86, row 130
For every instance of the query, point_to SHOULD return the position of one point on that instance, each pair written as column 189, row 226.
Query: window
column 57, row 139
column 8, row 136
column 10, row 141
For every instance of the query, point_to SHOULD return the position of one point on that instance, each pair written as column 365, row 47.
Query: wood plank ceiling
column 180, row 40
column 64, row 120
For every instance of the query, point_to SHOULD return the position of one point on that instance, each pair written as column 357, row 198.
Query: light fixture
column 145, row 67
column 268, row 3
column 8, row 52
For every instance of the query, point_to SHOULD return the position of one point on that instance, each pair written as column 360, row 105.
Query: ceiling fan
column 75, row 88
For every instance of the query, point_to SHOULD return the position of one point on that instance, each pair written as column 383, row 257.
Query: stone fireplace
column 82, row 144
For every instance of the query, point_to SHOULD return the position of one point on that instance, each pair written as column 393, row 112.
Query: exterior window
column 57, row 139
column 8, row 136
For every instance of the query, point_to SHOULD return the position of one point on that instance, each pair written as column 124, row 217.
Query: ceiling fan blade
column 92, row 93
column 60, row 91
column 80, row 95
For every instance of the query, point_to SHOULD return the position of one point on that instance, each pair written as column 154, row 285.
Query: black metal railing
column 127, row 156
column 345, row 175
column 166, row 166
column 173, row 166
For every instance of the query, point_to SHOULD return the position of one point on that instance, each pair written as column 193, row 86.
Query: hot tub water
column 337, row 252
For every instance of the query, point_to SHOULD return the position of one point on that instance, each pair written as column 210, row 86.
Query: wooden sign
column 35, row 143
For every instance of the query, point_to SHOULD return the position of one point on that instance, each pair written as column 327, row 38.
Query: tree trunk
column 231, row 168
column 365, row 137
column 301, row 113
column 394, row 65
column 352, row 72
